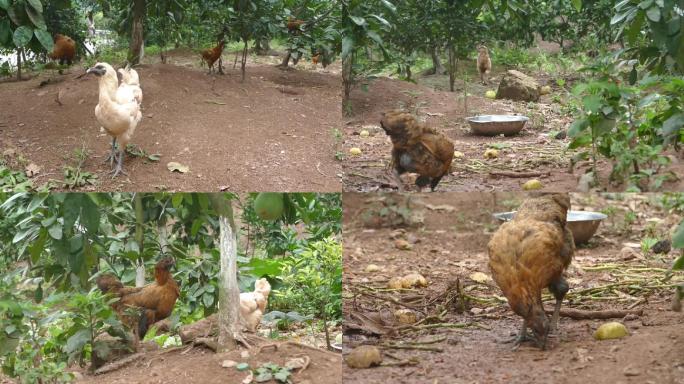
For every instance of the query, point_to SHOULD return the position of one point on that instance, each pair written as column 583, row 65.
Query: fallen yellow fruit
column 491, row 153
column 355, row 151
column 405, row 316
column 458, row 155
column 545, row 90
column 364, row 356
column 364, row 133
column 490, row 94
column 533, row 184
column 612, row 330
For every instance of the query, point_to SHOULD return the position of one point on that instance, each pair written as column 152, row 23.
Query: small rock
column 244, row 354
column 403, row 245
column 631, row 371
column 372, row 268
column 228, row 363
column 561, row 135
column 662, row 247
column 476, row 311
column 628, row 253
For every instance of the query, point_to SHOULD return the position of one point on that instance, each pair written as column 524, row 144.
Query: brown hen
column 417, row 149
column 529, row 253
column 156, row 300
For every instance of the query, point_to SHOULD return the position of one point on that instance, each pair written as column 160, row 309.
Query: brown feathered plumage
column 484, row 63
column 417, row 148
column 155, row 300
column 530, row 253
column 64, row 49
column 211, row 55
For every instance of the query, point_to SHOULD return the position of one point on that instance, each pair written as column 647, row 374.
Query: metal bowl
column 492, row 125
column 582, row 224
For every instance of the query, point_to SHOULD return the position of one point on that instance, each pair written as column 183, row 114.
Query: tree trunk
column 452, row 67
column 243, row 64
column 136, row 46
column 229, row 293
column 139, row 238
column 19, row 64
column 286, row 60
column 263, row 47
column 347, row 81
column 437, row 67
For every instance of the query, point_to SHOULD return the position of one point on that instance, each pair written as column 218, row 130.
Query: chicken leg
column 559, row 288
column 119, row 165
column 112, row 154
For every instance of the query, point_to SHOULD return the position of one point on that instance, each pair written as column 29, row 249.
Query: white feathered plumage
column 253, row 304
column 118, row 109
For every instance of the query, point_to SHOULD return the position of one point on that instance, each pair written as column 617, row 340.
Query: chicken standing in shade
column 118, row 110
column 253, row 304
column 417, row 148
column 155, row 301
column 211, row 55
column 64, row 50
column 529, row 253
column 484, row 63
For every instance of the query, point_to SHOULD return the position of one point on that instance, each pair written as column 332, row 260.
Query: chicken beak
column 96, row 71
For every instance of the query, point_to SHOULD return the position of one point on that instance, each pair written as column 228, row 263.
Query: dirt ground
column 448, row 233
column 204, row 366
column 534, row 149
column 274, row 132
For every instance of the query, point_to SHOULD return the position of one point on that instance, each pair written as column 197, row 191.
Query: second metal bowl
column 582, row 224
column 492, row 125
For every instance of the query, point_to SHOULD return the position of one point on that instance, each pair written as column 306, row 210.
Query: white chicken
column 253, row 304
column 118, row 109
column 130, row 82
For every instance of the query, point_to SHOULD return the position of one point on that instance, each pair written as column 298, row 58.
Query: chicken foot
column 521, row 337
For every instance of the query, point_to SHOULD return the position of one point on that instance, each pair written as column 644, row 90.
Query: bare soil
column 534, row 149
column 449, row 233
column 204, row 366
column 274, row 132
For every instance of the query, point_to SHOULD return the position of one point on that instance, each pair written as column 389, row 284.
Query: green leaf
column 208, row 300
column 45, row 39
column 4, row 4
column 653, row 14
column 90, row 215
column 633, row 76
column 22, row 36
column 5, row 32
column 360, row 21
column 282, row 375
column 38, row 294
column 678, row 237
column 577, row 127
column 78, row 341
column 673, row 124
column 592, row 103
column 55, row 231
column 577, row 4
column 37, row 5
column 36, row 18
column 347, row 46
column 678, row 264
